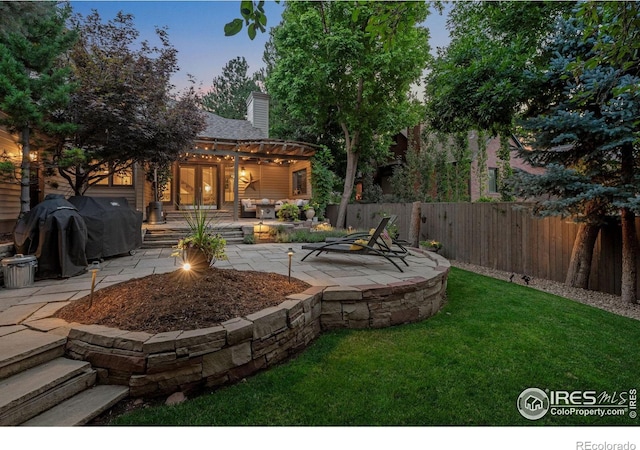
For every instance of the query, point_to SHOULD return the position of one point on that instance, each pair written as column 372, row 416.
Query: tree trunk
column 414, row 229
column 25, row 174
column 349, row 179
column 581, row 256
column 629, row 291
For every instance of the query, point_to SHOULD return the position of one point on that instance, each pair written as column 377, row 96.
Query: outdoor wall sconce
column 94, row 268
column 243, row 172
column 290, row 252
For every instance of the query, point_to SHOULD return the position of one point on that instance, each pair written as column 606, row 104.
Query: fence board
column 504, row 236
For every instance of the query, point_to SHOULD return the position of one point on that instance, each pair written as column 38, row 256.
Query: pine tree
column 229, row 91
column 33, row 86
column 587, row 140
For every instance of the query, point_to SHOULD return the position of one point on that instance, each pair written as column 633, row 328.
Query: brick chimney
column 258, row 111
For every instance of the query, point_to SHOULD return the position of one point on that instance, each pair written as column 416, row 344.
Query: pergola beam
column 241, row 154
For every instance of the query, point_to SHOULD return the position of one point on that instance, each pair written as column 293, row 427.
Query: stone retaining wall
column 184, row 360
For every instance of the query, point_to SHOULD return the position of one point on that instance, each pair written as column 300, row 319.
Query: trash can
column 19, row 271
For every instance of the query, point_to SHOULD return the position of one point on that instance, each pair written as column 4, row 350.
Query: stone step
column 172, row 243
column 179, row 234
column 173, row 216
column 26, row 349
column 30, row 393
column 168, row 237
column 81, row 408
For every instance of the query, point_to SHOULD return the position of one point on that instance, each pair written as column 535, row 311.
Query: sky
column 196, row 30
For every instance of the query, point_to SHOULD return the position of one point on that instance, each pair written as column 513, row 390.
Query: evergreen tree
column 586, row 137
column 229, row 91
column 34, row 87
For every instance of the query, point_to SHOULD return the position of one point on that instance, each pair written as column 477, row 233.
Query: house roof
column 218, row 127
column 232, row 136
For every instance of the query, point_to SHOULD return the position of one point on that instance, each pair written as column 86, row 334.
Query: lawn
column 465, row 366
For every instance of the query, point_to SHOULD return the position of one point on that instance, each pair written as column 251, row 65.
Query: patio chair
column 357, row 244
column 401, row 243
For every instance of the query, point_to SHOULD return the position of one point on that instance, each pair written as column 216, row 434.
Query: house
column 483, row 166
column 492, row 166
column 235, row 160
column 231, row 160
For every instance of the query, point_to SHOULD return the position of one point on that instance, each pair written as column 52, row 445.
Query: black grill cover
column 113, row 227
column 56, row 234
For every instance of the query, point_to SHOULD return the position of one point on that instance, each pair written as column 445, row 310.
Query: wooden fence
column 503, row 236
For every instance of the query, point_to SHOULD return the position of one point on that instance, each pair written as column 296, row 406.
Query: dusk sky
column 196, row 30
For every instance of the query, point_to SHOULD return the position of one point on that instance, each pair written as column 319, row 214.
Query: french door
column 198, row 185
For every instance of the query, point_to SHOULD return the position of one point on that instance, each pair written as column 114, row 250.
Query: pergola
column 272, row 150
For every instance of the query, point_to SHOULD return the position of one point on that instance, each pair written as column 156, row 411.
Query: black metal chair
column 362, row 244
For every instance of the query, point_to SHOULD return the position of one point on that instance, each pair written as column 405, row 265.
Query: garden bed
column 185, row 358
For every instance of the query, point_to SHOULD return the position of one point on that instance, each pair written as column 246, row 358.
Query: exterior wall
column 142, row 190
column 274, row 181
column 57, row 185
column 9, row 192
column 493, row 147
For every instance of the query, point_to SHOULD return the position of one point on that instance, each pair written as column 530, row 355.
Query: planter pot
column 310, row 213
column 196, row 258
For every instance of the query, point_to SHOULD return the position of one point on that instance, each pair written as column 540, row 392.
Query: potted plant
column 431, row 245
column 159, row 175
column 201, row 248
column 289, row 212
column 310, row 209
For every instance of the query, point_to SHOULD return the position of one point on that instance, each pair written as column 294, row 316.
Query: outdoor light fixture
column 94, row 268
column 290, row 252
column 242, row 172
column 186, row 266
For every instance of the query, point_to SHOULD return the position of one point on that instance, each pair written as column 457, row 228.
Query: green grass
column 465, row 366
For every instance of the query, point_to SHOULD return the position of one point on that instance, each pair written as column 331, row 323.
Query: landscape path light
column 94, row 268
column 290, row 252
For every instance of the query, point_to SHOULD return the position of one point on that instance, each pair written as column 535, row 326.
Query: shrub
column 289, row 211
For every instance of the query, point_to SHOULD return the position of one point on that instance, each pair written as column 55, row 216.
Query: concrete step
column 26, row 349
column 30, row 393
column 81, row 408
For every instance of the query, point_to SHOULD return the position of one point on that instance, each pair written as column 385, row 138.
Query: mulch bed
column 182, row 300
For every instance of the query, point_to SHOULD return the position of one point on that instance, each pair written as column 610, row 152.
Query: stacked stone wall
column 163, row 363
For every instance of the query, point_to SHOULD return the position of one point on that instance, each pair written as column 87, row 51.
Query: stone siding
column 164, row 363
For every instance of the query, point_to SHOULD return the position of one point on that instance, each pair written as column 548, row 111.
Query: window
column 493, row 180
column 120, row 178
column 300, row 182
